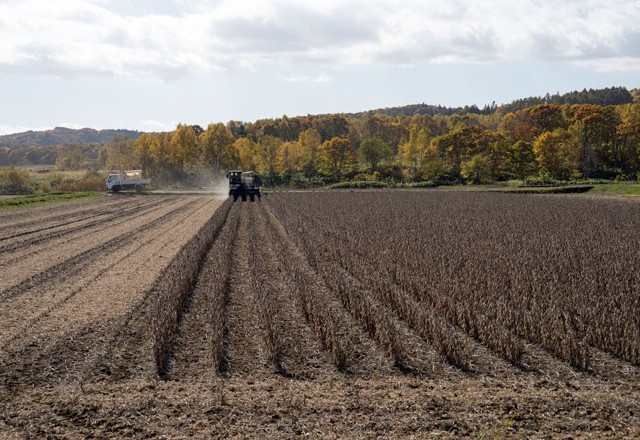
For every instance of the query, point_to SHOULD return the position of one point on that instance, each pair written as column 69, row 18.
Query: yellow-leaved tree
column 184, row 145
column 338, row 156
column 310, row 142
column 246, row 151
column 268, row 150
column 558, row 154
column 216, row 148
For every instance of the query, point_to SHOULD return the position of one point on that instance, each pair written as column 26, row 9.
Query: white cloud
column 169, row 38
column 321, row 78
column 158, row 126
column 10, row 129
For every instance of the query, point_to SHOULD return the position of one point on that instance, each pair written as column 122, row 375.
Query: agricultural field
column 326, row 314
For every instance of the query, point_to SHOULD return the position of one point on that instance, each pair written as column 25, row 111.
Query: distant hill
column 64, row 136
column 606, row 96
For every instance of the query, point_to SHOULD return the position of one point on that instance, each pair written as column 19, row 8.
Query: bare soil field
column 396, row 314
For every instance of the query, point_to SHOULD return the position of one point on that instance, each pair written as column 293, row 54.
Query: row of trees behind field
column 549, row 140
column 555, row 137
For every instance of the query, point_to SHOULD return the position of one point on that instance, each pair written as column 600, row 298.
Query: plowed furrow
column 32, row 308
column 26, row 262
column 77, row 263
column 46, row 212
column 128, row 352
column 105, row 315
column 111, row 218
column 26, row 223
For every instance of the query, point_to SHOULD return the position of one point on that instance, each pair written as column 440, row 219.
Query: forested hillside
column 550, row 140
column 607, row 96
column 560, row 137
column 64, row 136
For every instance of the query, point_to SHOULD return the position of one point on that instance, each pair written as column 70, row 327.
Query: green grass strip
column 43, row 199
column 613, row 189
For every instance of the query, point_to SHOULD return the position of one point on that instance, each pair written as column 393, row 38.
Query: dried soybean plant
column 171, row 290
column 265, row 305
column 501, row 268
column 214, row 281
column 311, row 296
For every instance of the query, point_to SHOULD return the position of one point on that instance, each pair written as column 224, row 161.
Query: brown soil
column 76, row 345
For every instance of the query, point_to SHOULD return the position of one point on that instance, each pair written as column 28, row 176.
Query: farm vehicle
column 130, row 179
column 244, row 184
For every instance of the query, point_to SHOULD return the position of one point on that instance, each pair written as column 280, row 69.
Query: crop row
column 172, row 289
column 557, row 271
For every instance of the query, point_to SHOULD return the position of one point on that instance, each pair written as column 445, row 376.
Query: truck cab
column 114, row 182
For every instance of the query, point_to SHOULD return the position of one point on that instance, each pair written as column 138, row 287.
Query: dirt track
column 76, row 345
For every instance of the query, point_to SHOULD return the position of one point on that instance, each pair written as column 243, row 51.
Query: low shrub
column 359, row 184
column 13, row 181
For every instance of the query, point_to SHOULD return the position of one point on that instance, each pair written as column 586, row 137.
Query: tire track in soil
column 27, row 224
column 23, row 249
column 364, row 356
column 39, row 274
column 92, row 349
column 38, row 213
column 39, row 301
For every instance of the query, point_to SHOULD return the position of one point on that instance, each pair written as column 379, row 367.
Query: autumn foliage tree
column 184, row 144
column 216, row 148
column 267, row 152
column 309, row 142
column 245, row 151
column 337, row 155
column 374, row 151
column 563, row 137
column 557, row 154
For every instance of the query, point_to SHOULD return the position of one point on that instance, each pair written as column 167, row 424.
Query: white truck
column 130, row 179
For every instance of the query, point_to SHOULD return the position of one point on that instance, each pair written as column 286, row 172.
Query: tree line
column 559, row 141
column 555, row 137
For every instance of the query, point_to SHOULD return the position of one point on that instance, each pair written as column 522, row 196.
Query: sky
column 151, row 64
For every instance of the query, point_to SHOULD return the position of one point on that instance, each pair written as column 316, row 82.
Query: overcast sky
column 150, row 64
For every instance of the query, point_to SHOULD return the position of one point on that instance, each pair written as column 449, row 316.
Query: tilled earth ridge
column 76, row 354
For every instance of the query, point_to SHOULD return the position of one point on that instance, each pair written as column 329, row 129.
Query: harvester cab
column 244, row 184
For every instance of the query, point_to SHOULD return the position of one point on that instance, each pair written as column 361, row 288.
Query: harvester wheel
column 235, row 197
column 244, row 197
column 252, row 198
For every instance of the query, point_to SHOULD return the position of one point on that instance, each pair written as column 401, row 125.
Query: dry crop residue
column 399, row 314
